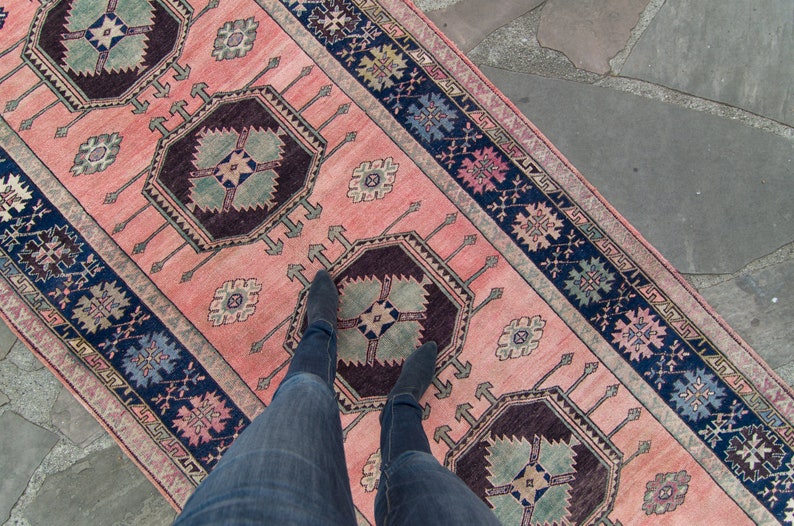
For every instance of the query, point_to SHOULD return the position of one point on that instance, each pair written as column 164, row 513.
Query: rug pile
column 173, row 174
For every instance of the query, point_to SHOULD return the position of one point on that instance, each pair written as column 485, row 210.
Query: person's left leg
column 414, row 487
column 288, row 466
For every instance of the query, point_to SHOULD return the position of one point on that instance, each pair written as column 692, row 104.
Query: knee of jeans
column 411, row 461
column 309, row 384
column 321, row 325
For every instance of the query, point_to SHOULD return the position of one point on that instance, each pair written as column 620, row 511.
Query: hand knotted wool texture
column 173, row 174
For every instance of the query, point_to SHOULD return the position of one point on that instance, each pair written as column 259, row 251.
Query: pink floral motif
column 640, row 335
column 207, row 413
column 537, row 227
column 666, row 492
column 481, row 170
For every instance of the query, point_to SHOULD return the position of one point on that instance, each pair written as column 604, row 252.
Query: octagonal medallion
column 536, row 458
column 97, row 54
column 235, row 168
column 395, row 294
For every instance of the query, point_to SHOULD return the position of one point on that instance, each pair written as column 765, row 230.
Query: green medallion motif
column 540, row 492
column 107, row 36
column 236, row 169
column 379, row 320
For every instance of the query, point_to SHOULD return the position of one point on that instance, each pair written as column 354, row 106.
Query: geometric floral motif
column 102, row 53
column 535, row 228
column 235, row 170
column 789, row 517
column 372, row 180
column 666, row 492
column 14, row 194
column 234, row 301
column 96, row 154
column 539, row 492
column 106, row 301
column 371, row 473
column 483, row 168
column 253, row 160
column 106, row 36
column 51, row 254
column 235, row 39
column 537, row 459
column 379, row 320
column 588, row 281
column 639, row 333
column 382, row 67
column 301, row 7
column 520, row 338
column 333, row 20
column 754, row 453
column 698, row 395
column 432, row 117
column 207, row 412
column 147, row 362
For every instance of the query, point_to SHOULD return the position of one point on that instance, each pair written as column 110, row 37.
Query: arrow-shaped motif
column 442, row 433
column 462, row 412
column 336, row 233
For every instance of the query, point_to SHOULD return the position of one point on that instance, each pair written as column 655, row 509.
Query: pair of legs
column 288, row 466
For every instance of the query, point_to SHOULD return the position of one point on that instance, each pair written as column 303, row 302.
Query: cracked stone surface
column 732, row 51
column 589, row 32
column 22, row 448
column 7, row 340
column 74, row 421
column 515, row 48
column 468, row 22
column 758, row 302
column 690, row 183
column 103, row 488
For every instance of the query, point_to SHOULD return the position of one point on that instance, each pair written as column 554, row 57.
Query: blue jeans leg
column 287, row 467
column 414, row 487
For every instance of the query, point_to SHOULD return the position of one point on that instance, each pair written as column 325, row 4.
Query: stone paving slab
column 74, row 421
column 7, row 340
column 22, row 448
column 468, row 22
column 51, row 491
column 589, row 32
column 710, row 193
column 514, row 47
column 759, row 305
column 732, row 51
column 103, row 488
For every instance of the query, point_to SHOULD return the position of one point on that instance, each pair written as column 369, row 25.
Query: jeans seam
column 388, row 500
column 331, row 366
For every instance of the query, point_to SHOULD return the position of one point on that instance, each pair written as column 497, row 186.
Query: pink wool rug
column 173, row 174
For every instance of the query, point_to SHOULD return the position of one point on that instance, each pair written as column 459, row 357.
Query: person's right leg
column 288, row 465
column 414, row 487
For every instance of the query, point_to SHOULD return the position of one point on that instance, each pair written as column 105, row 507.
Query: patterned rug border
column 629, row 240
column 587, row 197
column 31, row 325
column 718, row 363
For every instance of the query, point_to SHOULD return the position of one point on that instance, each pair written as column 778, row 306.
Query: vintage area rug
column 172, row 175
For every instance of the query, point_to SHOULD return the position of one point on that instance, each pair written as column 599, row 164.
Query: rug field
column 173, row 174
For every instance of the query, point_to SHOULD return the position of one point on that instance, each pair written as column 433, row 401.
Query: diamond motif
column 377, row 319
column 106, row 32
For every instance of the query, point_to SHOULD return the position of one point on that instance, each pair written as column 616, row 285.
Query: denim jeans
column 288, row 466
